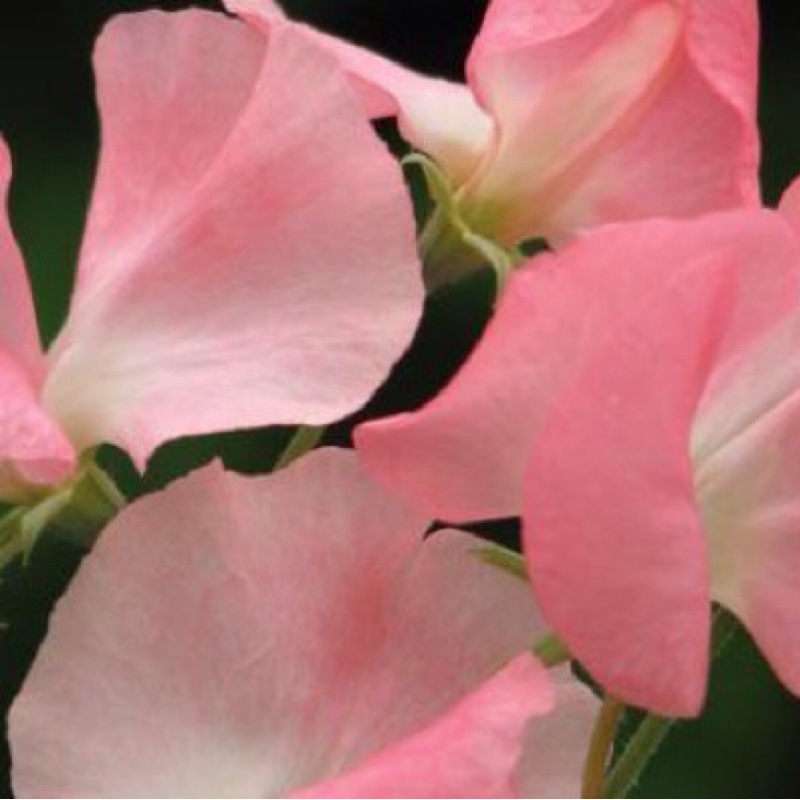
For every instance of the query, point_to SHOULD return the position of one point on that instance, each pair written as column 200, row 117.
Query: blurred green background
column 746, row 745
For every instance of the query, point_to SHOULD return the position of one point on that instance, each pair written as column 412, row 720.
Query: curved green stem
column 600, row 747
column 640, row 749
column 652, row 731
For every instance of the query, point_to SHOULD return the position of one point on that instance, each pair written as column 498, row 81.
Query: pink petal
column 250, row 243
column 616, row 546
column 32, row 448
column 555, row 749
column 790, row 206
column 748, row 491
column 250, row 637
column 19, row 335
column 464, row 455
column 744, row 449
column 614, row 541
column 510, row 24
column 439, row 117
column 470, row 751
column 762, row 365
column 615, row 111
column 261, row 11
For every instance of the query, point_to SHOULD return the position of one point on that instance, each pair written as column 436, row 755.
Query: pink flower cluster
column 250, row 259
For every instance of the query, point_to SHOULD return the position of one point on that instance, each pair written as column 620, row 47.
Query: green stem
column 652, row 731
column 599, row 752
column 14, row 543
column 91, row 502
column 446, row 255
column 449, row 247
column 304, row 439
column 76, row 511
column 640, row 749
column 450, row 251
column 550, row 650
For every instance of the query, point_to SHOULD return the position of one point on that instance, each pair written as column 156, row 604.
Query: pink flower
column 635, row 400
column 292, row 635
column 578, row 113
column 249, row 257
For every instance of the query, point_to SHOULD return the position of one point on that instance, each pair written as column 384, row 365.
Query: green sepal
column 503, row 558
column 304, row 440
column 76, row 511
column 449, row 246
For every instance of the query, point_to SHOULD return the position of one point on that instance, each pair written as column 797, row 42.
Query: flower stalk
column 76, row 511
column 600, row 747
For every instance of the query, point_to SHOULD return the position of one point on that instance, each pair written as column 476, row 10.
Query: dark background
column 748, row 742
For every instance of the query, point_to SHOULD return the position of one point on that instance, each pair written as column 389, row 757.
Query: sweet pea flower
column 295, row 635
column 634, row 399
column 249, row 257
column 579, row 113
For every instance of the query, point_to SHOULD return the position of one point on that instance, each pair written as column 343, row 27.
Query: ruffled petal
column 250, row 243
column 437, row 116
column 463, row 456
column 242, row 637
column 612, row 111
